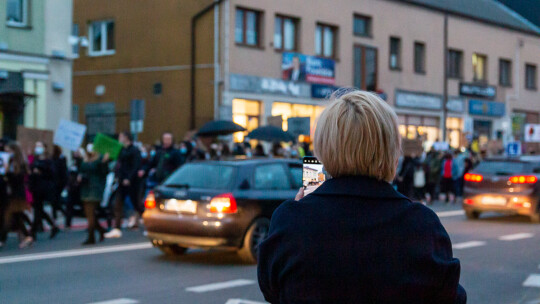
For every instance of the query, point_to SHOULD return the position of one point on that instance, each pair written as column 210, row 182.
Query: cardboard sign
column 69, row 134
column 28, row 137
column 105, row 144
column 412, row 147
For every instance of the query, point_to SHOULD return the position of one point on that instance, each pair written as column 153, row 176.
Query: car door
column 271, row 186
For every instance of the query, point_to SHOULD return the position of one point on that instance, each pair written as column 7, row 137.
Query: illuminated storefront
column 288, row 110
column 419, row 127
column 246, row 113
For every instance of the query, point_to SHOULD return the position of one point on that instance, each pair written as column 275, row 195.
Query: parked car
column 505, row 185
column 219, row 204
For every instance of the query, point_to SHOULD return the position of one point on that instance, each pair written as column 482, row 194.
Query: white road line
column 242, row 301
column 72, row 253
column 532, row 281
column 517, row 236
column 221, row 285
column 450, row 213
column 468, row 244
column 117, row 301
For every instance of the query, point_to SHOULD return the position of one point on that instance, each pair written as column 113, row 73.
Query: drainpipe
column 445, row 72
column 216, row 62
column 194, row 20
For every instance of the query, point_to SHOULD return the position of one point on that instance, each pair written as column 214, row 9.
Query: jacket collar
column 361, row 186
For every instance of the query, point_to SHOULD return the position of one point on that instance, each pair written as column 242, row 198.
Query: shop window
column 454, row 133
column 419, row 57
column 479, row 63
column 325, row 40
column 362, row 26
column 17, row 13
column 365, row 68
column 395, row 53
column 455, row 64
column 285, row 33
column 75, row 34
column 288, row 110
column 101, row 38
column 505, row 72
column 530, row 77
column 247, row 114
column 247, row 27
column 419, row 127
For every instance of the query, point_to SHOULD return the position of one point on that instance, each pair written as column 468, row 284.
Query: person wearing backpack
column 447, row 182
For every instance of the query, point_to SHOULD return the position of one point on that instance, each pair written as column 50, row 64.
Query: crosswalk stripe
column 242, row 301
column 450, row 213
column 517, row 236
column 220, row 285
column 117, row 301
column 532, row 280
column 470, row 244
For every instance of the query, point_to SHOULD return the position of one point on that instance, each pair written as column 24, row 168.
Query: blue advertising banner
column 300, row 67
column 486, row 108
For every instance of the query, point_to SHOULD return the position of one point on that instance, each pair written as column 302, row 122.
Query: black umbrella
column 270, row 133
column 219, row 127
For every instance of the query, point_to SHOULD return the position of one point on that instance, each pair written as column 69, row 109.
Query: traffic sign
column 513, row 148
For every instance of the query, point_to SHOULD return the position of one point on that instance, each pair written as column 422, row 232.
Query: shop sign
column 266, row 85
column 299, row 125
column 456, row 105
column 300, row 67
column 322, row 90
column 518, row 121
column 532, row 133
column 477, row 90
column 418, row 100
column 486, row 108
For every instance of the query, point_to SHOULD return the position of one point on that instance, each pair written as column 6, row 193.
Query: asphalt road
column 499, row 255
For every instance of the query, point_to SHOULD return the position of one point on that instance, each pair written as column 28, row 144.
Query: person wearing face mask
column 41, row 183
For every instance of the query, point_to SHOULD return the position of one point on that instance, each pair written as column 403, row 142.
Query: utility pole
column 445, row 73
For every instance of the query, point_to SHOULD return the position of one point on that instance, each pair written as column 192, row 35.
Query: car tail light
column 473, row 177
column 469, row 201
column 223, row 203
column 523, row 179
column 150, row 201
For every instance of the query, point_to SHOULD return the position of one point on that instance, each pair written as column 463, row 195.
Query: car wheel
column 256, row 233
column 172, row 249
column 535, row 218
column 472, row 215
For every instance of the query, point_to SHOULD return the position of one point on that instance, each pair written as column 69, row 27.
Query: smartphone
column 313, row 174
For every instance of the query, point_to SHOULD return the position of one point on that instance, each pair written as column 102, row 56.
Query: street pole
column 445, row 73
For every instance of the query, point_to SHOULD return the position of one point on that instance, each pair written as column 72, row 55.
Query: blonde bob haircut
column 357, row 134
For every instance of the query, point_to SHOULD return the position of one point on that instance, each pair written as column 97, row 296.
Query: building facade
column 35, row 64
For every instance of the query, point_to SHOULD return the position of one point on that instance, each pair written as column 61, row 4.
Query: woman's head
column 18, row 161
column 357, row 134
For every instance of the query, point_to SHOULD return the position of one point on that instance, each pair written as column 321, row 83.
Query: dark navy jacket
column 357, row 240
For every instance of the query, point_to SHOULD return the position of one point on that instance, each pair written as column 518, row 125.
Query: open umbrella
column 219, row 127
column 270, row 133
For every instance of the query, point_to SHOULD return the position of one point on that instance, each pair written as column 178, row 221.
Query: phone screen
column 313, row 174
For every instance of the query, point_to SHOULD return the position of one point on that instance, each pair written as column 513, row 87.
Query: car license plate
column 494, row 200
column 181, row 206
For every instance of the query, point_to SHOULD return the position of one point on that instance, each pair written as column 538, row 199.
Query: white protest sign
column 69, row 134
column 4, row 161
column 532, row 133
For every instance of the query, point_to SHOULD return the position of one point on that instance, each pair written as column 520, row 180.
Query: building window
column 395, row 53
column 75, row 44
column 479, row 63
column 17, row 13
column 285, row 33
column 325, row 40
column 362, row 25
column 530, row 76
column 246, row 113
column 455, row 64
column 365, row 68
column 158, row 88
column 247, row 27
column 505, row 72
column 419, row 58
column 101, row 38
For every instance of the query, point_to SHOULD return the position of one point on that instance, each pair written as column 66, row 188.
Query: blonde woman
column 355, row 239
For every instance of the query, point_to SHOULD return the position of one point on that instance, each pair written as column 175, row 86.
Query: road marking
column 468, row 244
column 517, row 236
column 450, row 213
column 532, row 281
column 221, row 285
column 242, row 301
column 72, row 253
column 117, row 301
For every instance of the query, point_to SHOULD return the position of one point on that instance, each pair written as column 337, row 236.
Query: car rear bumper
column 515, row 204
column 191, row 230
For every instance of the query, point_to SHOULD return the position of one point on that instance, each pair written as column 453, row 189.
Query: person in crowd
column 433, row 163
column 447, row 183
column 458, row 174
column 372, row 244
column 60, row 171
column 406, row 176
column 166, row 160
column 184, row 152
column 239, row 149
column 16, row 171
column 92, row 178
column 4, row 202
column 259, row 151
column 419, row 182
column 73, row 186
column 41, row 183
column 127, row 167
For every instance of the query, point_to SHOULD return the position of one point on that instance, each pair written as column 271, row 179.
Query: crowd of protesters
column 41, row 177
column 436, row 175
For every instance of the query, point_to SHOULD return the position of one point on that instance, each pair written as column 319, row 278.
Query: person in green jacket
column 92, row 178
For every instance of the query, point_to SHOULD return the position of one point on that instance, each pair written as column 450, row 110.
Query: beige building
column 395, row 48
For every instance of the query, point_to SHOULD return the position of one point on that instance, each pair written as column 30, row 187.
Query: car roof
column 242, row 161
column 523, row 158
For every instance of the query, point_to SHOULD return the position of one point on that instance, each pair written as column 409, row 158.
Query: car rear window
column 207, row 176
column 502, row 168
